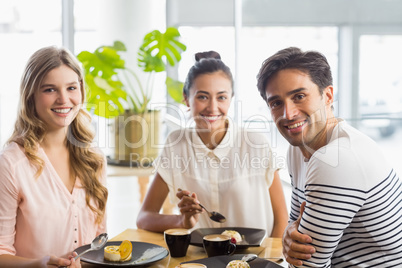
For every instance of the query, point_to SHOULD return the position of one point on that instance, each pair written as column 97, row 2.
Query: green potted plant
column 116, row 92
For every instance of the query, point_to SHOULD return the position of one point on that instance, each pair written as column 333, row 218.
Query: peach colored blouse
column 40, row 217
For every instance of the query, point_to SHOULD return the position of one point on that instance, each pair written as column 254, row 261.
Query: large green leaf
column 105, row 91
column 102, row 62
column 158, row 47
column 175, row 89
column 108, row 95
column 104, row 97
column 150, row 63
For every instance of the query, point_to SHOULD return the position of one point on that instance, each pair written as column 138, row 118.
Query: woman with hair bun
column 215, row 162
column 52, row 193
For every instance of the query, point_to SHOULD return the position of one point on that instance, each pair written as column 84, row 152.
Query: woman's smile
column 62, row 111
column 211, row 118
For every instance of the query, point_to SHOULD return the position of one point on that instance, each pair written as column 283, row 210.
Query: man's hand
column 295, row 248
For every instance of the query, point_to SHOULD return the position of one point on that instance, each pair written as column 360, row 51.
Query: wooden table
column 270, row 248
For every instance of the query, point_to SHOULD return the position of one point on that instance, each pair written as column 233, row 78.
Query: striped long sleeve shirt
column 353, row 202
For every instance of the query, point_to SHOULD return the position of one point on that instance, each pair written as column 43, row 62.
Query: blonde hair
column 29, row 129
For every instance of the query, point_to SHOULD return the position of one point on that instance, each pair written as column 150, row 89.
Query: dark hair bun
column 207, row 54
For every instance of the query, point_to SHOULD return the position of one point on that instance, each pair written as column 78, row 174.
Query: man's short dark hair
column 312, row 63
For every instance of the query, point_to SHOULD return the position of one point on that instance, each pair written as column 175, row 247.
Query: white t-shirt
column 232, row 179
column 354, row 210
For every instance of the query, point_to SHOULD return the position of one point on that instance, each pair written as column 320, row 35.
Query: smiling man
column 346, row 199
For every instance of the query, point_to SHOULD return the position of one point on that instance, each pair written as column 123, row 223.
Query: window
column 24, row 28
column 380, row 91
column 86, row 25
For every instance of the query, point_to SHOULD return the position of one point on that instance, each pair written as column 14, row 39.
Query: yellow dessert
column 233, row 234
column 238, row 264
column 111, row 253
column 118, row 253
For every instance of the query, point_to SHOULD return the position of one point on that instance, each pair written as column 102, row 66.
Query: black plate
column 222, row 261
column 251, row 237
column 96, row 257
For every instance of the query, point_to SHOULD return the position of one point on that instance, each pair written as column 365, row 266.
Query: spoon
column 96, row 244
column 249, row 257
column 215, row 216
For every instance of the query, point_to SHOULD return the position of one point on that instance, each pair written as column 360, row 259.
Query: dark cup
column 217, row 244
column 177, row 241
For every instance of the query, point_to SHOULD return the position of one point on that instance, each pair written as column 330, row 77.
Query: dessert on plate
column 238, row 264
column 233, row 234
column 118, row 253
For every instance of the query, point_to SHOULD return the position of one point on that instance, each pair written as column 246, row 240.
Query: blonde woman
column 52, row 193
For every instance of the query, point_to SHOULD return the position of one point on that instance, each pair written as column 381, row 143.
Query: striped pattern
column 351, row 227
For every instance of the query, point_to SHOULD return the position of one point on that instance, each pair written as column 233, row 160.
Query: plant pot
column 136, row 138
